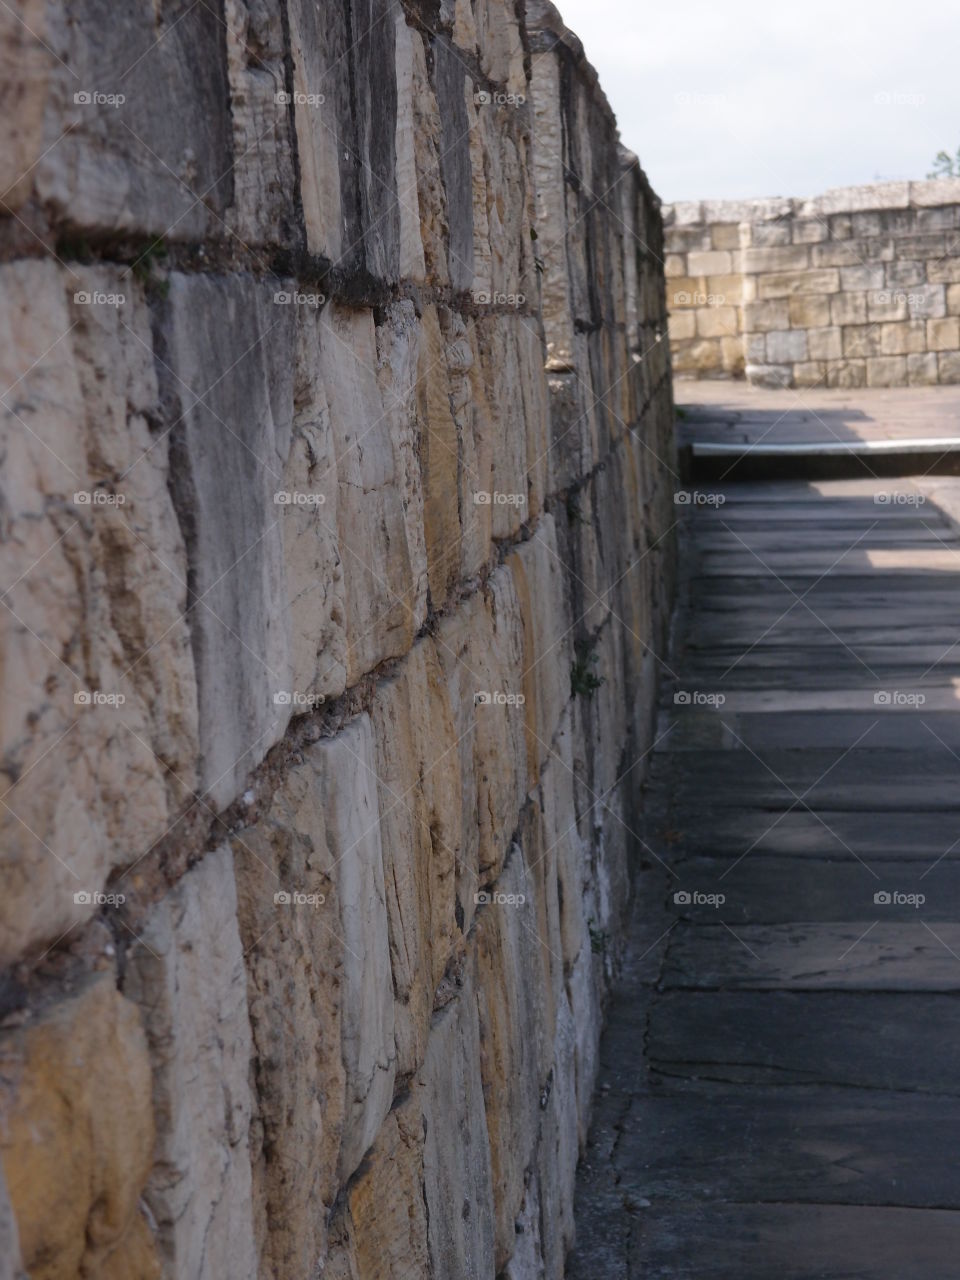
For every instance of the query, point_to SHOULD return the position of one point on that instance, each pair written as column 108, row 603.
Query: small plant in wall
column 598, row 938
column 583, row 680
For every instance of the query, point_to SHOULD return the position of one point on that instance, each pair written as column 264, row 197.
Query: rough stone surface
column 872, row 256
column 337, row 555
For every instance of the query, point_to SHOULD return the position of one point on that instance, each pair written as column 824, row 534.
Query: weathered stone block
column 922, row 370
column 862, row 278
column 808, row 312
column 717, row 322
column 812, row 232
column 759, row 317
column 790, row 258
column 770, row 375
column 902, row 339
column 847, row 373
column 927, row 301
column 948, row 366
column 887, row 371
column 849, row 308
column 944, row 270
column 228, row 381
column 786, row 284
column 824, row 344
column 882, row 304
column 943, row 335
column 186, row 974
column 682, row 324
column 77, row 1126
column 711, row 262
column 786, row 346
column 810, row 373
column 953, row 299
column 861, row 340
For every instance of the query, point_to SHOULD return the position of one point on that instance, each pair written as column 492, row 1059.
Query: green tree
column 946, row 165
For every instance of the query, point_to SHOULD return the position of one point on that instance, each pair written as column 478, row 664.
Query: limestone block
column 408, row 45
column 866, row 254
column 500, row 45
column 808, row 312
column 294, row 954
column 547, row 644
column 421, row 822
column 922, row 370
column 428, row 145
column 308, row 525
column 902, row 275
column 847, row 373
column 953, row 299
column 809, row 373
column 945, row 270
column 726, row 237
column 263, row 172
column 716, row 322
column 551, row 222
column 879, row 195
column 458, row 1190
column 770, row 375
column 377, row 504
column 712, row 262
column 186, row 974
column 374, row 98
column 702, row 357
column 886, row 306
column 812, row 232
column 904, row 338
column 526, row 1263
column 935, row 191
column 755, row 348
column 931, row 244
column 927, row 301
column 151, row 164
column 687, row 212
column 948, row 366
column 503, row 257
column 824, row 344
column 228, row 382
column 386, row 1202
column 786, row 284
column 682, row 324
column 887, row 371
column 25, row 66
column 675, row 264
column 786, row 346
column 440, row 461
column 510, row 1024
column 99, row 735
column 789, row 258
column 457, row 158
column 767, row 235
column 849, row 308
column 861, row 340
column 936, row 219
column 943, row 335
column 759, row 317
column 861, row 278
column 77, row 1132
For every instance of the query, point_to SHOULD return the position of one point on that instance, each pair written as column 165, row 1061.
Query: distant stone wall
column 858, row 287
column 337, row 558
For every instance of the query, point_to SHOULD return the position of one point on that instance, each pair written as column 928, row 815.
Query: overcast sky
column 733, row 98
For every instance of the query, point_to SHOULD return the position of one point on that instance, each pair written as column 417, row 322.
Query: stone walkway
column 780, row 1080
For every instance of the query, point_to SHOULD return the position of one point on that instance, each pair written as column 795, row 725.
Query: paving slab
column 778, row 1090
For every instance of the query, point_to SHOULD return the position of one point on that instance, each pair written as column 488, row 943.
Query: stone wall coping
column 872, row 196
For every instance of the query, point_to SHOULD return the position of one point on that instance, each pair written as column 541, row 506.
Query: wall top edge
column 872, row 196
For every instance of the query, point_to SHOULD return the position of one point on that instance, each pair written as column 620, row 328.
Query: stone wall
column 337, row 556
column 858, row 287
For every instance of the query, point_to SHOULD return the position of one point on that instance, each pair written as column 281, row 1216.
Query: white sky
column 734, row 98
